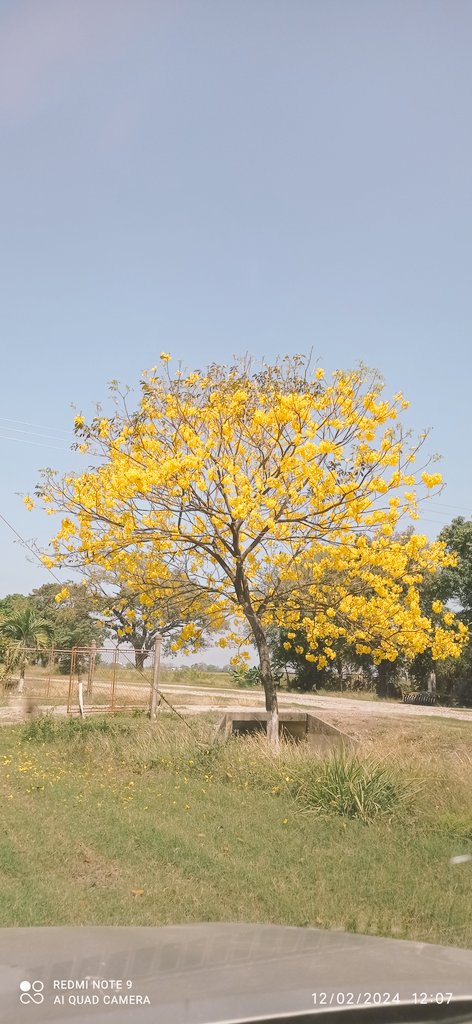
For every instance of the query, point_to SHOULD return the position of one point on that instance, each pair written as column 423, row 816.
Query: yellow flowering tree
column 235, row 479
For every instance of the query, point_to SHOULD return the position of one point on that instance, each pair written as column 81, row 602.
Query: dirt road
column 339, row 711
column 340, row 706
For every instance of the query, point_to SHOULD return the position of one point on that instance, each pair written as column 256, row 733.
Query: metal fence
column 84, row 679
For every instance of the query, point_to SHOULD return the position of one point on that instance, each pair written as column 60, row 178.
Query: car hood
column 204, row 973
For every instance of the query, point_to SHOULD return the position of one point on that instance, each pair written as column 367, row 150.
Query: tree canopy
column 454, row 582
column 23, row 631
column 233, row 479
column 73, row 611
column 453, row 586
column 128, row 620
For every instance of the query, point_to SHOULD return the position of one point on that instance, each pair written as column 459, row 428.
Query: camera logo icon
column 31, row 992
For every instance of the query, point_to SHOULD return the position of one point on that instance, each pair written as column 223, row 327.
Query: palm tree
column 24, row 630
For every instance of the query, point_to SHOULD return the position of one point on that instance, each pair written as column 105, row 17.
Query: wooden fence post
column 154, row 701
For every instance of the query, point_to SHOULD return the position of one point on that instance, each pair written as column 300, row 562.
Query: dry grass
column 94, row 811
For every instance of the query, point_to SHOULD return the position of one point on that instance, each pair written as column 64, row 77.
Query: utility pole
column 154, row 701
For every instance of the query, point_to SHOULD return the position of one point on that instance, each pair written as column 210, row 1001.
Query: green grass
column 121, row 821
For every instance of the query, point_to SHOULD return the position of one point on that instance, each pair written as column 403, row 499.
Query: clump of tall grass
column 352, row 788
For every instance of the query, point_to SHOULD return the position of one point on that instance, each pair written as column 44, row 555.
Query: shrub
column 46, row 729
column 39, row 730
column 246, row 677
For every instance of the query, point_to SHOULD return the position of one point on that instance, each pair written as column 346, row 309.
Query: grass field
column 121, row 821
column 126, row 673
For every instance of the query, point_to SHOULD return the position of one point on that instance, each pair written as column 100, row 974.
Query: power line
column 26, row 423
column 32, row 433
column 433, row 512
column 435, row 507
column 433, row 522
column 443, row 515
column 460, row 508
column 28, row 546
column 24, row 440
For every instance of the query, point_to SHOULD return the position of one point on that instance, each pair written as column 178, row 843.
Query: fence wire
column 85, row 680
column 103, row 678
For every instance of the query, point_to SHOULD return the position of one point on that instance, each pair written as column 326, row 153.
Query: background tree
column 25, row 632
column 128, row 620
column 452, row 586
column 12, row 602
column 349, row 670
column 288, row 651
column 454, row 582
column 222, row 475
column 9, row 604
column 74, row 611
column 351, row 662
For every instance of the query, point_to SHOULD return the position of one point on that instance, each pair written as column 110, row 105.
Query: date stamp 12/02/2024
column 377, row 998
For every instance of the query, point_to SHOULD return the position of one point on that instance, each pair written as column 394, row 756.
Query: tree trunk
column 265, row 669
column 267, row 678
column 386, row 686
column 140, row 657
column 382, row 679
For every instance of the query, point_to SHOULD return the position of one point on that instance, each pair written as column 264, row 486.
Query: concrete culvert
column 298, row 726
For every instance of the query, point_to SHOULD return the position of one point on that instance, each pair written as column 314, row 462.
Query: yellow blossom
column 431, row 479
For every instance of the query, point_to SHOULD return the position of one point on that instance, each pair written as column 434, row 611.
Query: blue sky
column 215, row 176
